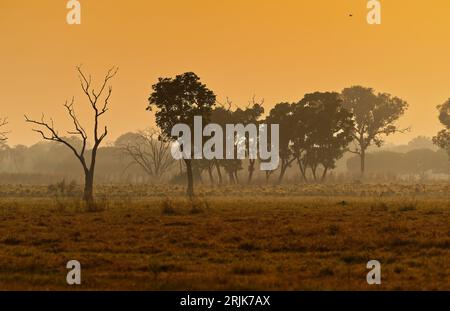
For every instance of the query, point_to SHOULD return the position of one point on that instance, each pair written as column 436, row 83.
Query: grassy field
column 252, row 238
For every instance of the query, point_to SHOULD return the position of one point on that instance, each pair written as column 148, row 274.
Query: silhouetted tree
column 374, row 115
column 443, row 137
column 179, row 100
column 150, row 151
column 282, row 114
column 249, row 115
column 328, row 131
column 221, row 115
column 301, row 132
column 48, row 131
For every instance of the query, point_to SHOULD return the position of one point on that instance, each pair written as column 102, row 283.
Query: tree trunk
column 267, row 177
column 302, row 170
column 282, row 171
column 251, row 169
column 313, row 170
column 89, row 180
column 231, row 177
column 236, row 177
column 211, row 178
column 219, row 173
column 363, row 162
column 198, row 174
column 190, row 178
column 88, row 195
column 325, row 170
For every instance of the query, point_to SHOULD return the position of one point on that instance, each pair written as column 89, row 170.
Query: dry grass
column 275, row 239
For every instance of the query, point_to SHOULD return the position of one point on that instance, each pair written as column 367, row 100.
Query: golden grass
column 229, row 239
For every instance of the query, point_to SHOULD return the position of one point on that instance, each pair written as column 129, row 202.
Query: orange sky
column 278, row 50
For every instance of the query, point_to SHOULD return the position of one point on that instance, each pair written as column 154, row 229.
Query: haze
column 276, row 50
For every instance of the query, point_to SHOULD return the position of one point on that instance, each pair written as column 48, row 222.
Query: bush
column 168, row 207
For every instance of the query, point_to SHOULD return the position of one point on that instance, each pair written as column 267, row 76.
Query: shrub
column 168, row 207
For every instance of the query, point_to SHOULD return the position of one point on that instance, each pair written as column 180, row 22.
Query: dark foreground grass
column 226, row 243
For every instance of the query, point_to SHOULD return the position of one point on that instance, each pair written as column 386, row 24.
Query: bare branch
column 111, row 74
column 93, row 98
column 49, row 127
column 79, row 130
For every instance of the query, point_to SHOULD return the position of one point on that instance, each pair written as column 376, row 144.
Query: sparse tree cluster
column 315, row 132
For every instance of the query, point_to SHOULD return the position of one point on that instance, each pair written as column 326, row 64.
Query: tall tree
column 375, row 116
column 282, row 114
column 442, row 139
column 178, row 100
column 249, row 115
column 326, row 132
column 99, row 108
column 301, row 132
column 221, row 115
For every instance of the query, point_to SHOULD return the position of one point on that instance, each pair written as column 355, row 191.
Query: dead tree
column 48, row 131
column 150, row 152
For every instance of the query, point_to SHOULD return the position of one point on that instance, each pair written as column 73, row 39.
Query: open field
column 261, row 237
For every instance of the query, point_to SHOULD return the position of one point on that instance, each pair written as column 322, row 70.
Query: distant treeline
column 422, row 163
column 46, row 163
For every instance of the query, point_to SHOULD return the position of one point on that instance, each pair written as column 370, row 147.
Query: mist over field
column 419, row 161
column 225, row 145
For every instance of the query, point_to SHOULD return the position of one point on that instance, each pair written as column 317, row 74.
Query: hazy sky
column 278, row 50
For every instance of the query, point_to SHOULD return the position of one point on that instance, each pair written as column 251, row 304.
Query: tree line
column 315, row 131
